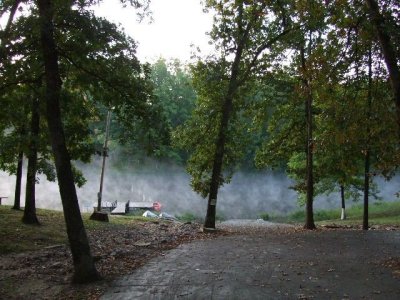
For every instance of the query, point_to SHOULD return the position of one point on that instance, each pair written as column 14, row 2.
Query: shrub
column 265, row 216
column 188, row 217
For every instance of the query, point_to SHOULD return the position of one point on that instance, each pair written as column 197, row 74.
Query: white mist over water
column 248, row 195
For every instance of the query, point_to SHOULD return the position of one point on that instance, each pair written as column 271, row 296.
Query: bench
column 2, row 197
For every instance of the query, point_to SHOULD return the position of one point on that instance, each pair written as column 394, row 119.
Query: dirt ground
column 300, row 264
column 46, row 274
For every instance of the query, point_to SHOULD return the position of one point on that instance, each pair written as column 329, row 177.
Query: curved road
column 273, row 264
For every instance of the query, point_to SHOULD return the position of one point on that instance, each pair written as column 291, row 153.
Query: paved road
column 303, row 265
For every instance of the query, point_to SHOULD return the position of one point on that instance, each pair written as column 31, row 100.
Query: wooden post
column 105, row 154
column 98, row 215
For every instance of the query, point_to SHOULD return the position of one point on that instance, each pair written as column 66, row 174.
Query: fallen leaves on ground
column 393, row 263
column 117, row 250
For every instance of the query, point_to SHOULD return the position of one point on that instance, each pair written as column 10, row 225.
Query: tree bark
column 222, row 133
column 343, row 215
column 4, row 37
column 309, row 224
column 367, row 161
column 17, row 193
column 366, row 190
column 310, row 174
column 217, row 164
column 84, row 268
column 388, row 51
column 103, row 166
column 29, row 216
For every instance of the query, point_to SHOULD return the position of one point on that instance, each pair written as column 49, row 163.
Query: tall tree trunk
column 222, row 134
column 17, row 193
column 310, row 176
column 29, row 216
column 103, row 166
column 309, row 224
column 367, row 161
column 366, row 189
column 388, row 50
column 343, row 215
column 5, row 35
column 217, row 164
column 84, row 268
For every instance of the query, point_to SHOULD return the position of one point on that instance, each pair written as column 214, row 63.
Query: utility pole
column 105, row 154
column 98, row 215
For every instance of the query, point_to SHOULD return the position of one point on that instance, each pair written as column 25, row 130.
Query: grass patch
column 189, row 217
column 16, row 237
column 380, row 213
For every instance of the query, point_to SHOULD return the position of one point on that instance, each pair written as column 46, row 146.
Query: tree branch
column 97, row 76
column 4, row 35
column 263, row 47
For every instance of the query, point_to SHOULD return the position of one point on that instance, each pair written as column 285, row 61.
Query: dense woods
column 310, row 87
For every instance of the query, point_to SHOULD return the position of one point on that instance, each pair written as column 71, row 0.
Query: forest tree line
column 308, row 86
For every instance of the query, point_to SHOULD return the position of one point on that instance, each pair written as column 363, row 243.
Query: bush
column 323, row 215
column 297, row 216
column 265, row 216
column 320, row 215
column 188, row 217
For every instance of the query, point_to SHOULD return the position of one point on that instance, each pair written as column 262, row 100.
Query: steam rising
column 246, row 196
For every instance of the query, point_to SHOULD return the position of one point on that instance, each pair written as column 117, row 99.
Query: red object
column 157, row 206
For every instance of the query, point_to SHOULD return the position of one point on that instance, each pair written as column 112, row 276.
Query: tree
column 359, row 54
column 310, row 144
column 76, row 66
column 243, row 35
column 310, row 19
column 22, row 84
column 83, row 261
column 174, row 90
column 29, row 216
column 13, row 142
column 172, row 105
column 17, row 194
column 113, row 77
column 381, row 24
column 85, row 270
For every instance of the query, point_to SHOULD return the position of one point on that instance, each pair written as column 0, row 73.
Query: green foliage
column 173, row 113
column 189, row 217
column 337, row 49
column 173, row 88
column 379, row 213
column 199, row 132
column 172, row 104
column 220, row 217
column 265, row 216
column 220, row 131
column 98, row 67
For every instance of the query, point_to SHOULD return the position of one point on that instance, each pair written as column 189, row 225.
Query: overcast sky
column 177, row 24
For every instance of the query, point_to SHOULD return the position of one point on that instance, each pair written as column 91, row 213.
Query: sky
column 176, row 25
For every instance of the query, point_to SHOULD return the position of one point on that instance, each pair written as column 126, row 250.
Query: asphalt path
column 271, row 264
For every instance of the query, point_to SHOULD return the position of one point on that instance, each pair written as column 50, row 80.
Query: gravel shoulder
column 251, row 226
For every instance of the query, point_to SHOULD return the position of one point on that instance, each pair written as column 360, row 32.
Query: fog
column 246, row 196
